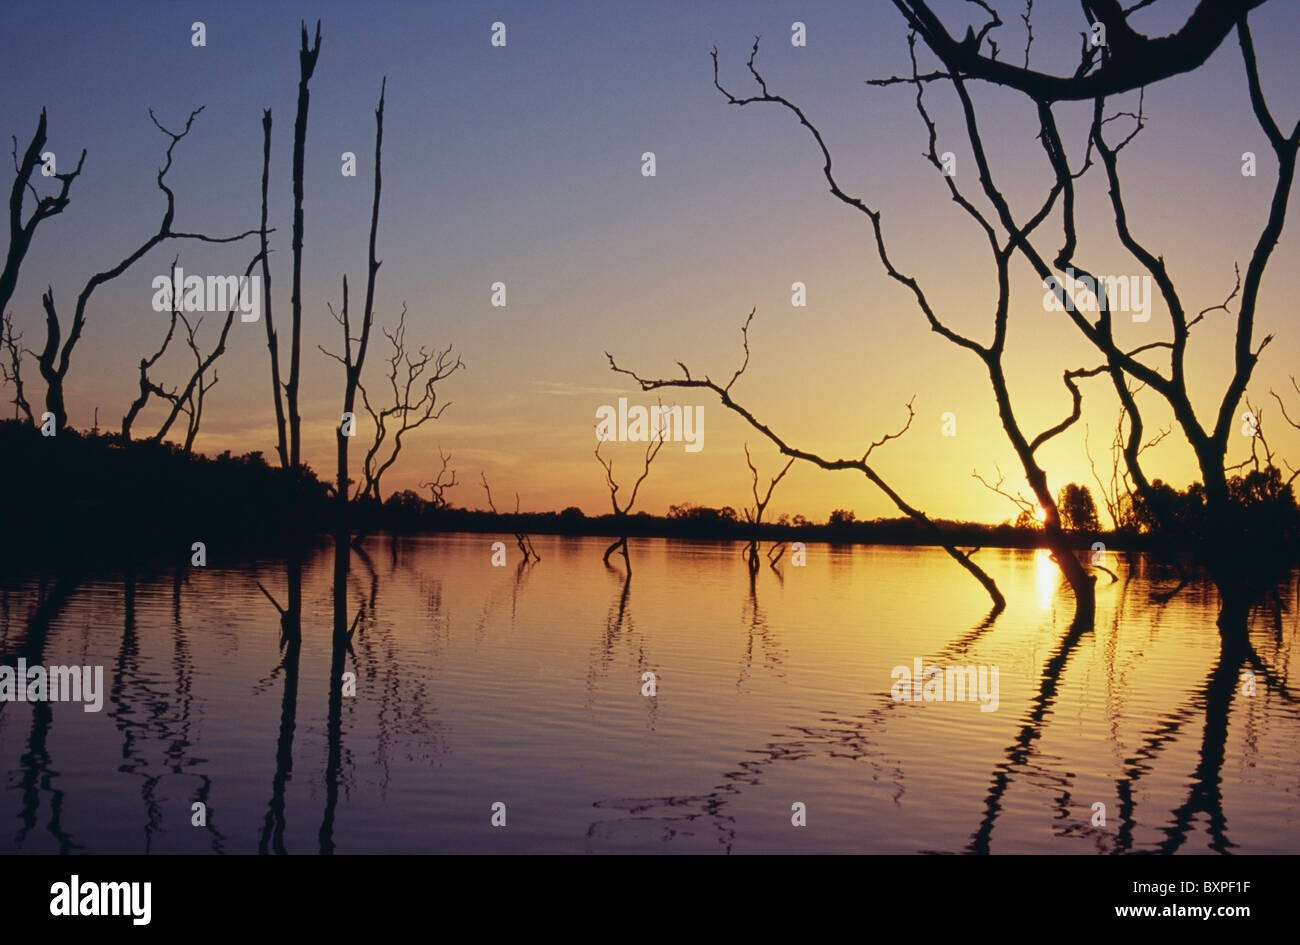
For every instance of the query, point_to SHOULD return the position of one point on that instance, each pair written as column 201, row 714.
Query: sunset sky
column 522, row 164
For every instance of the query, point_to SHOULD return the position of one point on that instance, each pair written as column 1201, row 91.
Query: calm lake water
column 478, row 684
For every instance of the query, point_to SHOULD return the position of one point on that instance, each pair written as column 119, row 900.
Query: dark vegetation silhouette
column 991, row 354
column 85, row 497
column 1238, row 559
column 622, row 510
column 723, row 392
column 516, row 524
column 1241, row 562
column 413, row 377
column 754, row 516
column 156, row 499
column 307, row 56
column 21, row 234
column 55, row 358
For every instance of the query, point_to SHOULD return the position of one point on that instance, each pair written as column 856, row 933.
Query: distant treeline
column 81, row 496
column 407, row 511
column 93, row 496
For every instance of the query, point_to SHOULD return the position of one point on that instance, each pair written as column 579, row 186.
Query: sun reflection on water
column 1046, row 577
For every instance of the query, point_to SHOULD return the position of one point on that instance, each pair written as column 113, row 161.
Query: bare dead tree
column 352, row 367
column 1294, row 422
column 147, row 387
column 21, row 232
column 991, row 354
column 621, row 510
column 12, row 371
column 306, row 66
column 54, row 359
column 1126, row 60
column 437, row 486
column 522, row 539
column 272, row 340
column 414, row 401
column 1026, row 506
column 288, row 442
column 1208, row 444
column 1117, row 493
column 1231, row 571
column 754, row 516
column 286, row 616
column 199, row 385
column 1266, row 481
column 723, row 393
column 1119, row 497
column 188, row 399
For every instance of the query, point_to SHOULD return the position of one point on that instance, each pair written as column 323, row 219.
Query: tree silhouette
column 1126, row 60
column 1078, row 511
column 414, row 402
column 188, row 400
column 54, row 359
column 272, row 340
column 621, row 511
column 754, row 516
column 522, row 539
column 21, row 233
column 354, row 362
column 991, row 354
column 723, row 393
column 437, row 486
column 307, row 57
column 1237, row 568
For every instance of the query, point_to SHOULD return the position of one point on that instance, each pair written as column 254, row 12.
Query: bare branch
column 1025, row 505
column 1132, row 60
column 724, row 396
column 192, row 393
column 12, row 372
column 653, row 447
column 414, row 401
column 755, row 515
column 437, row 486
column 307, row 57
column 272, row 340
column 20, row 232
column 53, row 359
column 522, row 539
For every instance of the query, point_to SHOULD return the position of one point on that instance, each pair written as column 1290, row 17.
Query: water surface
column 478, row 684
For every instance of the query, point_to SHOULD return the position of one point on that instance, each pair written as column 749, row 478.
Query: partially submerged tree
column 992, row 354
column 723, row 393
column 754, row 516
column 288, row 441
column 621, row 510
column 522, row 539
column 1127, row 61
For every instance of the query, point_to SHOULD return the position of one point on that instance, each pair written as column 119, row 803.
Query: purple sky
column 522, row 164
